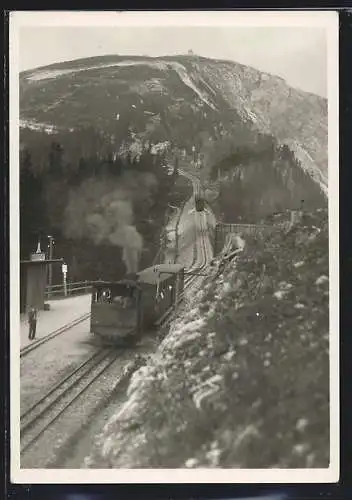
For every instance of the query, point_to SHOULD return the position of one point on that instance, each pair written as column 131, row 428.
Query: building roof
column 46, row 261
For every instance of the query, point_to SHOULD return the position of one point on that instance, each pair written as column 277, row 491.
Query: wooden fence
column 222, row 231
column 71, row 289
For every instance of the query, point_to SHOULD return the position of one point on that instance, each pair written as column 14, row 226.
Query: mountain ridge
column 174, row 90
column 80, row 60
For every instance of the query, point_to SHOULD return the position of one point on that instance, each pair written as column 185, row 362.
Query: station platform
column 61, row 313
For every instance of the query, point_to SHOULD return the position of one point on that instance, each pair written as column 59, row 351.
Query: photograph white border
column 328, row 21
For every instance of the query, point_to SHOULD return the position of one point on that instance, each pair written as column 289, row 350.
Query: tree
column 33, row 221
column 55, row 160
column 175, row 171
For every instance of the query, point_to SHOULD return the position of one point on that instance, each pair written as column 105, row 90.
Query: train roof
column 124, row 282
column 151, row 275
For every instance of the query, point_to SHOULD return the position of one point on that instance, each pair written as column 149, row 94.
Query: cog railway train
column 121, row 311
column 200, row 203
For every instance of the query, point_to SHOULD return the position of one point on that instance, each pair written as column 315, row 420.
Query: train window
column 118, row 299
column 102, row 296
column 124, row 302
column 126, row 297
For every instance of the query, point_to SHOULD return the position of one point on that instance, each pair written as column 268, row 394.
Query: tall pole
column 51, row 250
column 64, row 278
column 176, row 238
column 163, row 247
column 176, row 165
column 65, row 285
column 194, row 155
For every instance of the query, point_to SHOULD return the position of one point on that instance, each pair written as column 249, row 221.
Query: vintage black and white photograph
column 174, row 246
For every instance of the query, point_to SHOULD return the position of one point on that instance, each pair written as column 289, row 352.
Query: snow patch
column 160, row 147
column 301, row 424
column 251, row 115
column 322, row 279
column 298, row 264
column 45, row 75
column 182, row 73
column 41, row 127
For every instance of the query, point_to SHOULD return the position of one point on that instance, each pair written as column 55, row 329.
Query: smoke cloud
column 102, row 210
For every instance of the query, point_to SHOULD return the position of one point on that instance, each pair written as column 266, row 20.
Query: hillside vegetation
column 187, row 100
column 100, row 208
column 256, row 180
column 242, row 378
column 109, row 121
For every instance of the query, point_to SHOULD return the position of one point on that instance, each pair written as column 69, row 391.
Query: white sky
column 298, row 54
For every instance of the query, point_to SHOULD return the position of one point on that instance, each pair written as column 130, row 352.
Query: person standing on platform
column 32, row 320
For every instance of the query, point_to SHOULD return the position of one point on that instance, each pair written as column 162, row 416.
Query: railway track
column 42, row 415
column 188, row 281
column 39, row 421
column 37, row 343
column 202, row 255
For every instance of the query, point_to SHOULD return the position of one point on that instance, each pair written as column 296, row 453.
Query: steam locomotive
column 121, row 311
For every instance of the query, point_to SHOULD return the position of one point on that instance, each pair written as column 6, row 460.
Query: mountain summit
column 182, row 100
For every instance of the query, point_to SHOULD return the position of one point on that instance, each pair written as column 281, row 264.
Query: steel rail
column 43, row 420
column 55, row 387
column 34, row 345
column 33, row 416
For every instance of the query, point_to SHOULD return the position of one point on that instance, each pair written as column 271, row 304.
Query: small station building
column 33, row 280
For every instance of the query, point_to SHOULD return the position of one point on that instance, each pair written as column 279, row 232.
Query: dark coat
column 32, row 316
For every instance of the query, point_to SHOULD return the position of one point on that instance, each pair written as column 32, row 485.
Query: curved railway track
column 41, row 416
column 195, row 267
column 202, row 250
column 37, row 422
column 200, row 261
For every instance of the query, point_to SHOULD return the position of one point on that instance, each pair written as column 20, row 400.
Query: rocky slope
column 185, row 100
column 242, row 378
column 255, row 181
